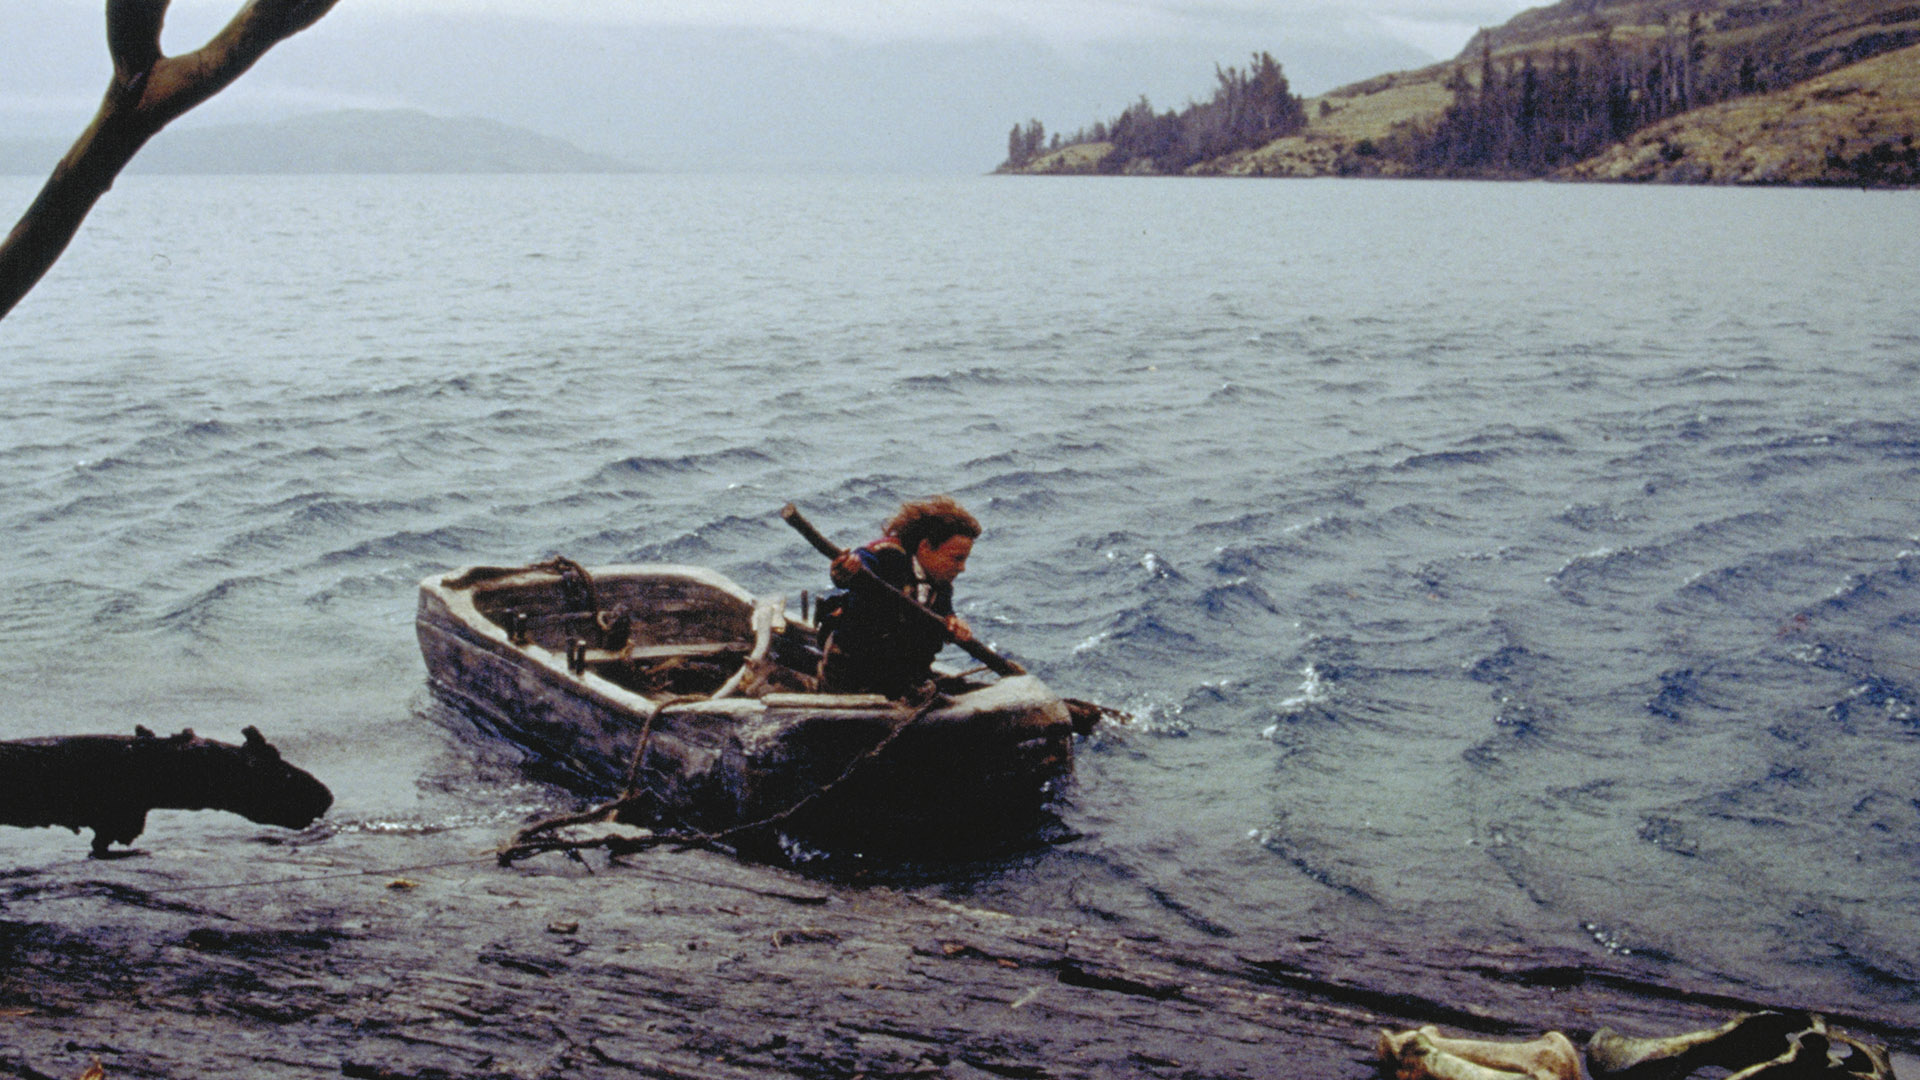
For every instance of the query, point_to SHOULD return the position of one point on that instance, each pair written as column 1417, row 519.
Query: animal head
column 250, row 779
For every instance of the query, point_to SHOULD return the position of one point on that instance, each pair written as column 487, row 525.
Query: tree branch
column 148, row 91
column 133, row 36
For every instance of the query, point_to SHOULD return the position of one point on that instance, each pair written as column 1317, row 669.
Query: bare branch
column 149, row 90
column 184, row 81
column 133, row 36
column 297, row 15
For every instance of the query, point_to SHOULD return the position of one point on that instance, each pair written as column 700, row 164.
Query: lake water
column 1525, row 563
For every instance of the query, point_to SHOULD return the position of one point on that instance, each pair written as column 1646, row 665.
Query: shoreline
column 416, row 956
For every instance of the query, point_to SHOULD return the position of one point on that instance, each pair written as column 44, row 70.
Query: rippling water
column 1514, row 563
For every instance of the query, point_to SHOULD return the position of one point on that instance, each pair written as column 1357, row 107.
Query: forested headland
column 1731, row 91
column 1248, row 109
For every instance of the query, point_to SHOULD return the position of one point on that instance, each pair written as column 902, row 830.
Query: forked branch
column 148, row 91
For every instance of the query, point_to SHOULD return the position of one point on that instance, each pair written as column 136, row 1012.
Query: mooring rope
column 526, row 843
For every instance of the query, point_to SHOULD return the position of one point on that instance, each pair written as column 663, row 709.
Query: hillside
column 1855, row 126
column 1722, row 91
column 347, row 141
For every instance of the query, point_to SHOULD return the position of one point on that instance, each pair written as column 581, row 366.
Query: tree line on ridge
column 1525, row 114
column 1248, row 109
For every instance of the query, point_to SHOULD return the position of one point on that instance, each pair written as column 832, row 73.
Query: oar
column 1085, row 714
column 871, row 582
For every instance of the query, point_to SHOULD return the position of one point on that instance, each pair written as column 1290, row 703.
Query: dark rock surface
column 363, row 954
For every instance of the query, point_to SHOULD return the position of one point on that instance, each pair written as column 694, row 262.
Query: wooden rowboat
column 673, row 681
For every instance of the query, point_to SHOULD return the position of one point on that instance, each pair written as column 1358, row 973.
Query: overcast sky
column 931, row 85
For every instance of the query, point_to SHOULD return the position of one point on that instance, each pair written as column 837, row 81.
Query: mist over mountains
column 342, row 141
column 687, row 98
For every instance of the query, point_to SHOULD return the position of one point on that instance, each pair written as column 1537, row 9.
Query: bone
column 1745, row 1041
column 1424, row 1053
column 1805, row 1058
column 1823, row 1055
column 1860, row 1058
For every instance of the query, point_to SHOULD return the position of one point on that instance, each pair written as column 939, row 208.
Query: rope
column 627, row 789
column 526, row 845
column 574, row 578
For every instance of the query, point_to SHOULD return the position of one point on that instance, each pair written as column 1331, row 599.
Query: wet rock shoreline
column 416, row 956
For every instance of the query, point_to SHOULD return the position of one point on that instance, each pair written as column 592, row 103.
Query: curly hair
column 933, row 521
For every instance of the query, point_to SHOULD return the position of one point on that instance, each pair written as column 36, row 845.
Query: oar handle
column 998, row 664
column 792, row 515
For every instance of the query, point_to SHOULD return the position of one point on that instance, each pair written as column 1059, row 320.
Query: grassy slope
column 1784, row 137
column 1081, row 159
column 1346, row 128
column 1367, row 111
column 1788, row 137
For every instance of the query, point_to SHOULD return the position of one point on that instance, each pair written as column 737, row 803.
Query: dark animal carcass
column 107, row 783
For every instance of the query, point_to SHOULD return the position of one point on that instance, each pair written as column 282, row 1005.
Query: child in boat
column 877, row 646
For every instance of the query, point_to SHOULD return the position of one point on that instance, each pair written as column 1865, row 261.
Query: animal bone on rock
column 1425, row 1054
column 1823, row 1055
column 1747, row 1040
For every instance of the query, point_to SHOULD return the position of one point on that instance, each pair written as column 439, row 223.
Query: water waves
column 653, row 468
column 1495, row 593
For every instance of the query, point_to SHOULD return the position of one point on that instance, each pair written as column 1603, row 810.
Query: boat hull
column 854, row 772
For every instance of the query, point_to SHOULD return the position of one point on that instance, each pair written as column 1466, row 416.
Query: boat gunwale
column 471, row 622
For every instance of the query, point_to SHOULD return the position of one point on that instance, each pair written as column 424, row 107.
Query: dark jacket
column 876, row 645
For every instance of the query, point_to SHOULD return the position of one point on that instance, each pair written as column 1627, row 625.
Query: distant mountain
column 348, row 141
column 1714, row 91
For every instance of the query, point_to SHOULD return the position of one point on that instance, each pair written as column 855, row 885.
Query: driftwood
column 687, row 964
column 108, row 783
column 148, row 91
